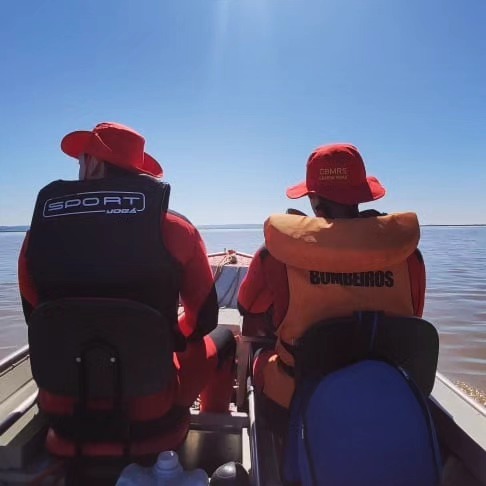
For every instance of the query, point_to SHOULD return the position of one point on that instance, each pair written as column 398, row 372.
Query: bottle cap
column 167, row 460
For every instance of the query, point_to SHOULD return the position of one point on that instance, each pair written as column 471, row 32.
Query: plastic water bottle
column 167, row 471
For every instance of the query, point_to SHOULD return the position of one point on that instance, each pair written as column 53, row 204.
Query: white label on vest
column 108, row 202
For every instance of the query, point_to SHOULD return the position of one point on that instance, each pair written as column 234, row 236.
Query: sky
column 233, row 95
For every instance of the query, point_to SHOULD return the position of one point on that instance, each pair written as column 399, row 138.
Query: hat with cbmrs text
column 337, row 172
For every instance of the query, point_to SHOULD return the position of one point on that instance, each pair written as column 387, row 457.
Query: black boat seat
column 99, row 355
column 409, row 343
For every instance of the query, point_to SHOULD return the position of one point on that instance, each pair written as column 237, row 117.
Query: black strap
column 287, row 369
column 115, row 423
column 290, row 348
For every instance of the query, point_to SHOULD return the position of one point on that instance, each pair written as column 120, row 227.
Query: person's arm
column 264, row 295
column 197, row 292
column 416, row 270
column 255, row 296
column 28, row 292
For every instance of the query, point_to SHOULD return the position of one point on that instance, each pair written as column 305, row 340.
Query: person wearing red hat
column 111, row 234
column 337, row 263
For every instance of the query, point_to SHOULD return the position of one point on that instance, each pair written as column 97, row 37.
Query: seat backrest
column 100, row 348
column 359, row 415
column 363, row 425
column 407, row 342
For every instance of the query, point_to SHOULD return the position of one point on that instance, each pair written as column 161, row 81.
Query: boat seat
column 361, row 425
column 408, row 343
column 97, row 357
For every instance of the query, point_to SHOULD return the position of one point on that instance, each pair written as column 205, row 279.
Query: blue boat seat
column 363, row 425
column 359, row 415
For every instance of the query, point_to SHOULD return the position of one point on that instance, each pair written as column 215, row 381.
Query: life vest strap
column 287, row 369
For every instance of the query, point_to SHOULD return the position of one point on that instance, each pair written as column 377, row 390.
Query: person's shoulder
column 262, row 253
column 180, row 236
column 418, row 255
column 264, row 257
column 177, row 221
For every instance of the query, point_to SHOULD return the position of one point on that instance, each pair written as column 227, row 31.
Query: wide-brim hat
column 114, row 143
column 337, row 172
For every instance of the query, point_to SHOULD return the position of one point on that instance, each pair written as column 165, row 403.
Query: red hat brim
column 371, row 191
column 75, row 143
column 295, row 192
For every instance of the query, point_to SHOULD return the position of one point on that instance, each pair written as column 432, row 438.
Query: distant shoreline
column 455, row 225
column 13, row 229
column 23, row 229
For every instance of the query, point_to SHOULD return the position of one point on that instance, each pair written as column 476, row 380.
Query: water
column 13, row 332
column 455, row 258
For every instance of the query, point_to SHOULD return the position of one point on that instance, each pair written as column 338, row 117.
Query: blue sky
column 233, row 95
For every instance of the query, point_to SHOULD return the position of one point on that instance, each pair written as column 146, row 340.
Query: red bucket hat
column 337, row 172
column 115, row 143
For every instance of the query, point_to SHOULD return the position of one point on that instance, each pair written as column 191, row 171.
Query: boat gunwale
column 13, row 358
column 223, row 253
column 457, row 390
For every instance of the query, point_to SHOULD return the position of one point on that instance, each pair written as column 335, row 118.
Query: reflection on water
column 456, row 299
column 455, row 258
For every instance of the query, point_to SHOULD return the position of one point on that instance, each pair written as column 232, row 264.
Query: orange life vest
column 334, row 268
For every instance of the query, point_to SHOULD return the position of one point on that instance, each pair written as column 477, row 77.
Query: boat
column 241, row 435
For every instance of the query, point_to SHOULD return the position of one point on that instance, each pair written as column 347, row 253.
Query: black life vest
column 102, row 238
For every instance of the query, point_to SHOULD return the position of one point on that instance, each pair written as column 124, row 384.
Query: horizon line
column 23, row 228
